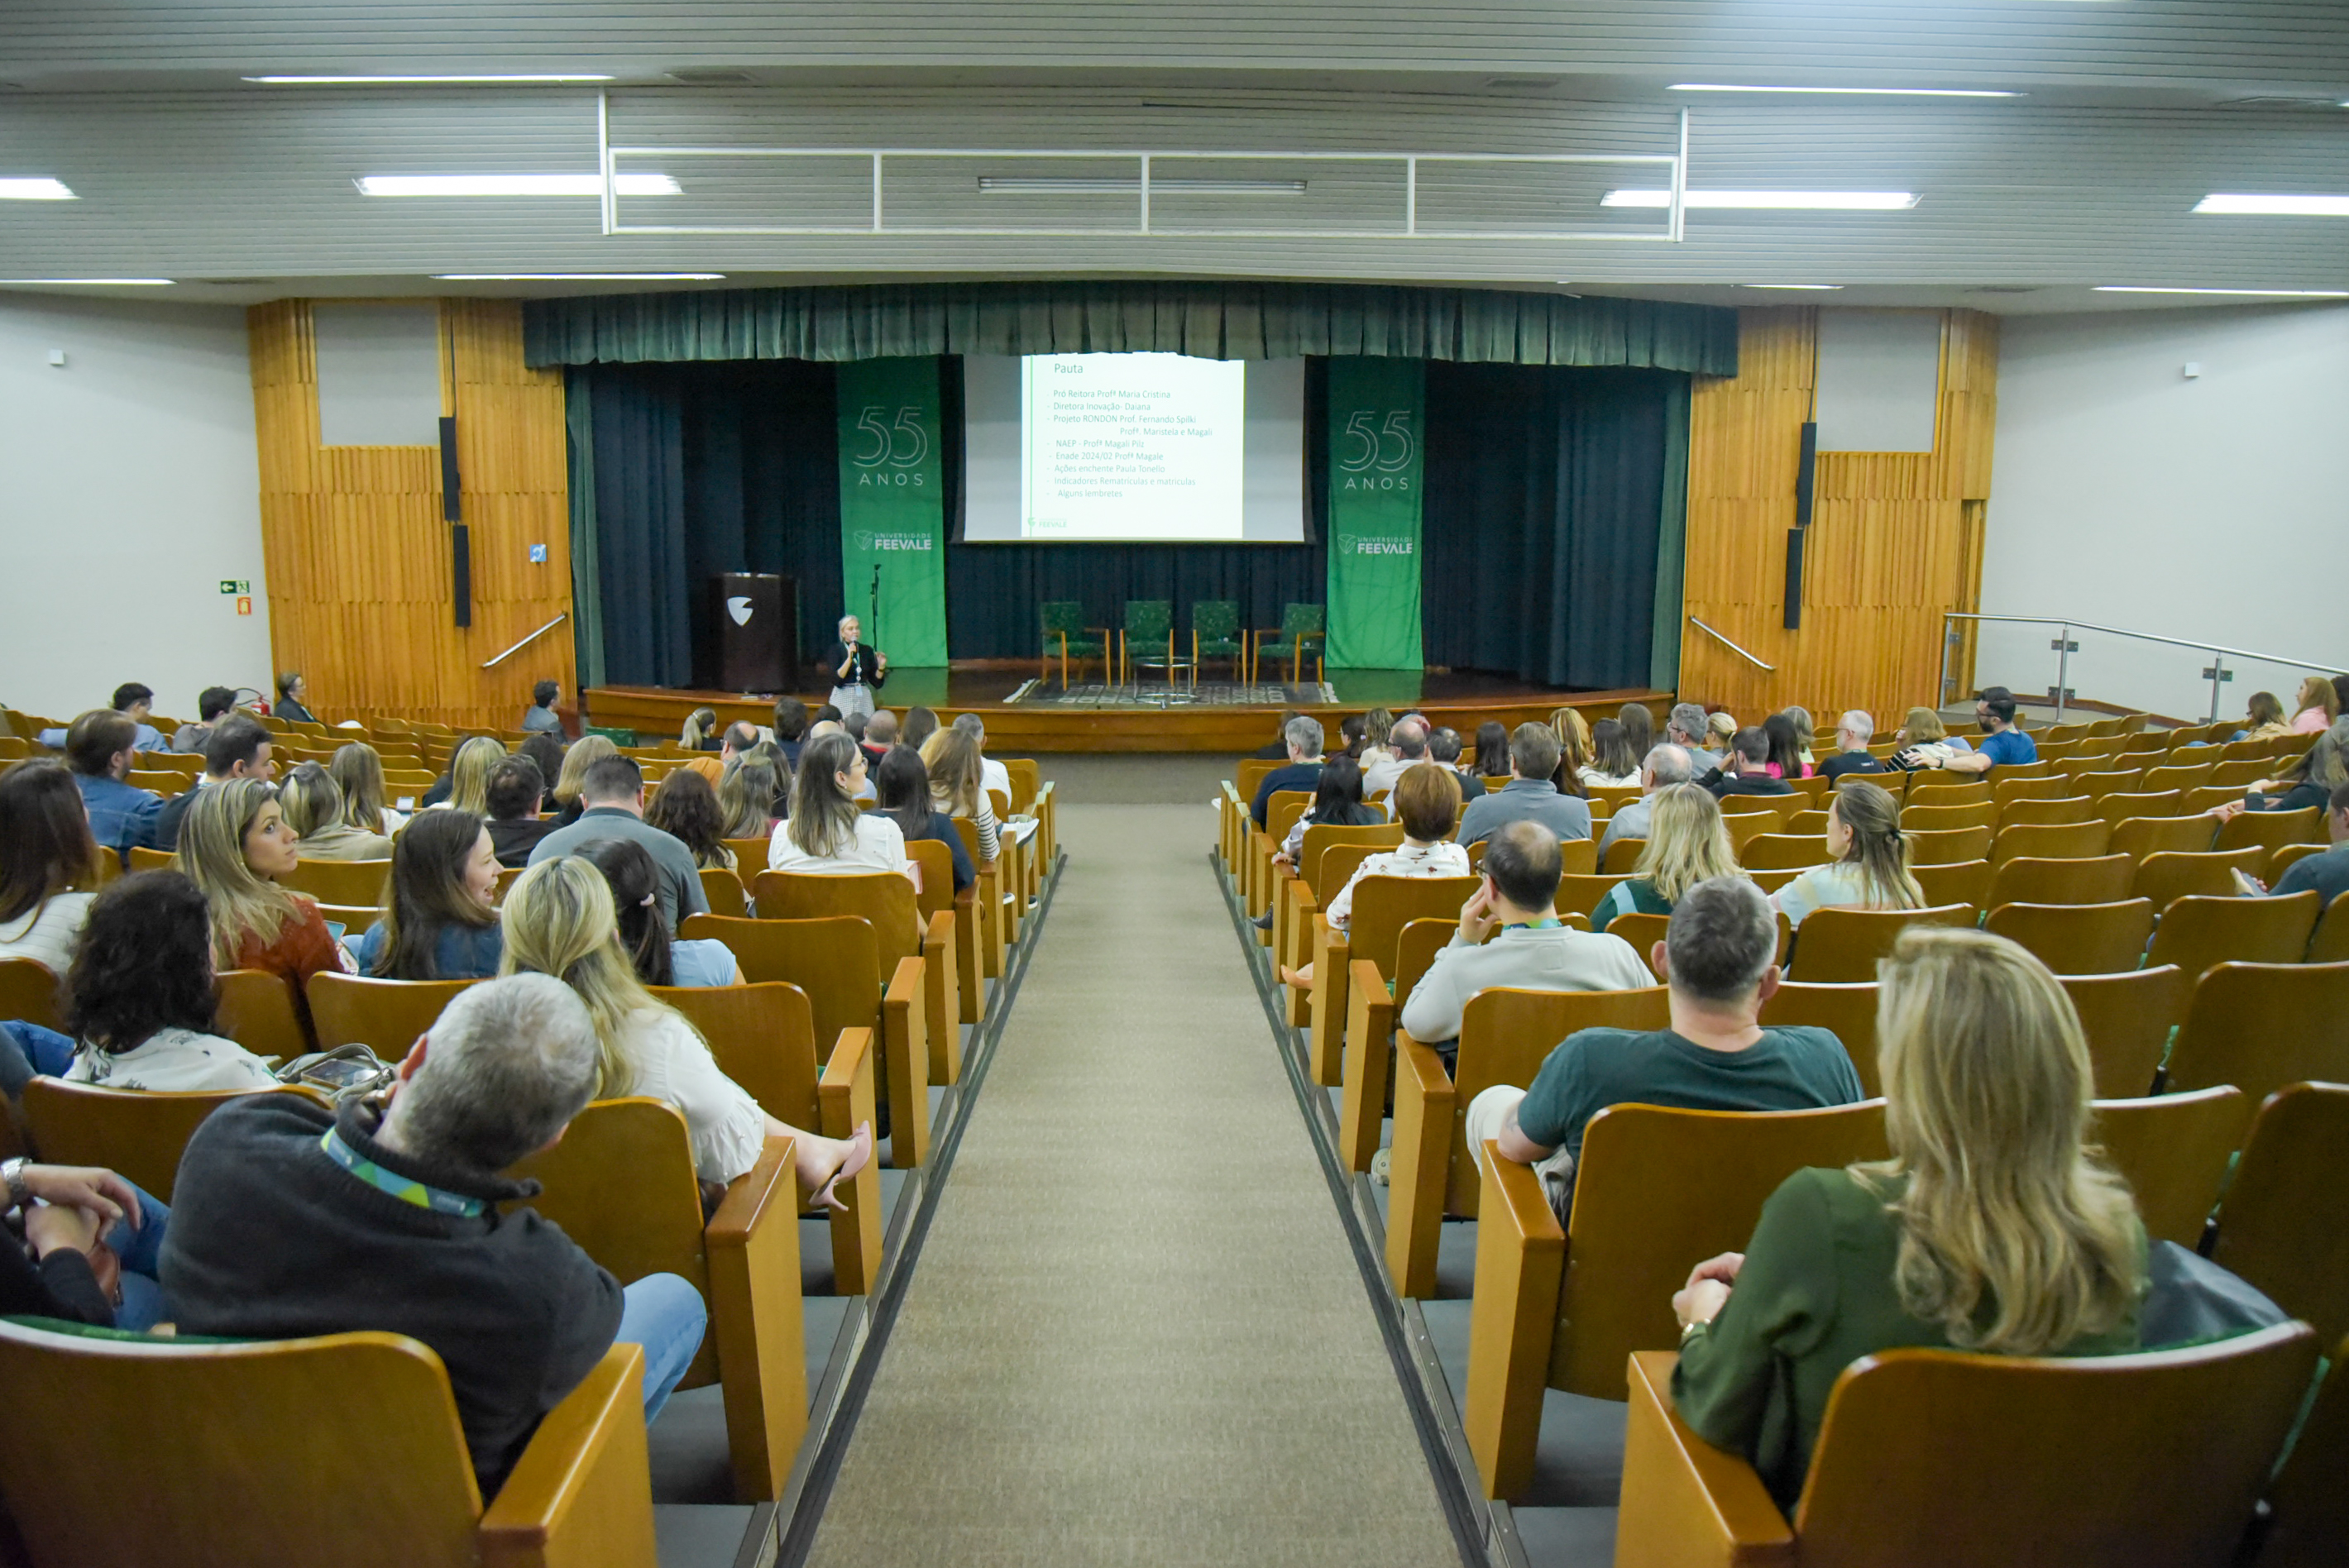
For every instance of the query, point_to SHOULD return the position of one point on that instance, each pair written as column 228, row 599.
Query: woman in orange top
column 234, row 845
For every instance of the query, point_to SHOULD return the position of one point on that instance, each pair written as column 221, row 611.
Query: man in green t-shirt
column 1718, row 957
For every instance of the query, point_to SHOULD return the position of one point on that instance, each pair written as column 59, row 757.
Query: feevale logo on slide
column 1386, row 547
column 738, row 608
column 866, row 539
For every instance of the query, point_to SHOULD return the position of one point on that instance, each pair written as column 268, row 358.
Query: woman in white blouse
column 559, row 921
column 827, row 830
column 45, row 848
column 139, row 998
column 1868, row 856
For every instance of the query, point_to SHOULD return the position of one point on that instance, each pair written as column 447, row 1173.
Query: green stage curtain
column 1545, row 495
column 1234, row 320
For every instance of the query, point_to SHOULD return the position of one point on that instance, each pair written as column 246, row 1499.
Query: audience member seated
column 1805, row 737
column 1426, row 804
column 1686, row 729
column 880, row 735
column 686, row 808
column 292, row 1220
column 826, row 831
column 238, row 747
column 658, row 958
column 1665, row 766
column 903, row 784
column 293, row 692
column 214, row 701
column 1304, row 768
column 700, row 731
column 1924, row 742
column 132, row 701
column 1337, row 803
column 515, row 825
column 824, row 713
column 1378, row 725
column 1867, row 860
column 921, row 723
column 140, row 1001
column 1529, row 795
column 1407, row 747
column 1277, row 747
column 98, row 747
column 1749, row 755
column 2327, row 874
column 1995, row 1227
column 61, row 1268
column 1720, row 731
column 2003, row 741
column 1530, row 948
column 234, row 845
column 612, row 795
column 357, row 772
column 1853, row 733
column 2314, row 710
column 1687, row 844
column 1573, row 751
column 1718, row 957
column 539, row 717
column 2264, row 719
column 791, row 728
column 45, row 850
column 582, row 755
column 992, row 773
column 1639, row 727
column 466, row 785
column 560, row 921
column 546, row 751
column 959, row 787
column 1785, row 748
column 2309, row 779
column 736, row 740
column 746, row 797
column 440, row 920
column 1444, row 747
column 313, row 809
column 854, row 723
column 1613, row 763
column 1492, row 749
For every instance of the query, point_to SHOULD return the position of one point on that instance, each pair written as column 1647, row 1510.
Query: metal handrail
column 2217, row 675
column 1740, row 652
column 526, row 642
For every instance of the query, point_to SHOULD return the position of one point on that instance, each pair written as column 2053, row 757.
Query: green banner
column 1375, row 421
column 893, row 508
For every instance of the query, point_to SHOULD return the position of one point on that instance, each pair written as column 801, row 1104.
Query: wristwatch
column 13, row 1173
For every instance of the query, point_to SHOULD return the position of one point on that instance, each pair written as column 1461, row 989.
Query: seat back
column 143, row 859
column 2141, row 836
column 2173, row 1149
column 2331, row 943
column 1300, row 621
column 1505, row 1035
column 2121, row 805
column 835, row 961
column 936, row 861
column 1642, row 931
column 28, row 991
column 1415, row 952
column 1945, row 846
column 229, row 1443
column 257, row 1010
column 2052, row 841
column 2309, row 1504
column 722, row 891
column 2078, row 938
column 136, row 1132
column 763, row 1037
column 1149, row 620
column 1026, row 781
column 2079, row 1460
column 2272, row 830
column 2043, row 810
column 2285, row 1223
column 2127, row 1017
column 1844, row 1008
column 1963, row 882
column 2010, row 787
column 884, row 899
column 339, row 882
column 1281, row 811
column 1384, row 905
column 2198, row 932
column 2096, row 783
column 1320, row 837
column 1059, row 616
column 1938, row 819
column 1249, row 773
column 2260, row 1027
column 2100, row 879
column 2179, row 775
column 1621, row 856
column 1656, row 1191
column 1215, row 619
column 1844, row 943
column 387, row 1014
column 750, row 856
column 2164, row 876
column 1781, row 851
column 1921, row 793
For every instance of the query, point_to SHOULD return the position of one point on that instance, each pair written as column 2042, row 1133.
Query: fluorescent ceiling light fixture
column 1782, row 201
column 2263, row 293
column 2276, row 206
column 507, row 79
column 34, row 189
column 513, row 185
column 1807, row 287
column 89, row 283
column 576, row 277
column 1856, row 92
column 1113, row 185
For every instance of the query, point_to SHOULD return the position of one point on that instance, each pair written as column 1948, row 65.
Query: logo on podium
column 738, row 607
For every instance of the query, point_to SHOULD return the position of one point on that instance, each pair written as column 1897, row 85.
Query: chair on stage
column 1301, row 629
column 1064, row 632
column 1216, row 634
column 1147, row 637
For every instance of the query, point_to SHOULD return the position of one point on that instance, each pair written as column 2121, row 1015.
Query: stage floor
column 1024, row 715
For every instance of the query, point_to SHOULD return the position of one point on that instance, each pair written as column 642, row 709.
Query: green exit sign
column 236, row 586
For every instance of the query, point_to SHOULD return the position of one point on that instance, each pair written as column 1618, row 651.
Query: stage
column 1024, row 714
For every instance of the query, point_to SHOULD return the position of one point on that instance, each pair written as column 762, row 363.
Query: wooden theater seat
column 722, row 891
column 2261, row 1027
column 2101, row 879
column 2140, row 836
column 2308, row 1508
column 257, row 1010
column 939, row 896
column 2286, row 1222
column 1656, row 1191
column 2078, row 938
column 2164, row 876
column 2272, row 830
column 137, row 1133
column 29, row 992
column 238, row 1447
column 386, row 1015
column 1382, row 906
column 339, row 882
column 2198, row 932
column 2052, row 841
column 1845, row 1009
column 2078, row 1461
column 888, row 901
column 2174, row 1149
column 621, row 1184
column 1844, row 943
column 1946, row 846
column 1965, row 882
column 2043, row 810
column 2128, row 1018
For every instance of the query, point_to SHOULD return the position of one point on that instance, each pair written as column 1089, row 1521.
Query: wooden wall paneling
column 358, row 554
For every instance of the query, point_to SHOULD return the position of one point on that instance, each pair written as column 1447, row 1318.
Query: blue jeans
column 140, row 1250
column 664, row 1315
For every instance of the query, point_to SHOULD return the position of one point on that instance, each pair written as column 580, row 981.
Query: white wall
column 128, row 488
column 2127, row 494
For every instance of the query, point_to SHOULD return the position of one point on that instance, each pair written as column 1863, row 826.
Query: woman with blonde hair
column 584, row 753
column 1807, row 732
column 2264, row 719
column 746, row 798
column 469, row 775
column 958, row 786
column 1993, row 1228
column 234, row 845
column 313, row 809
column 357, row 772
column 2316, row 706
column 559, row 919
column 1377, row 725
column 1720, row 729
column 700, row 731
column 1688, row 843
column 1869, row 858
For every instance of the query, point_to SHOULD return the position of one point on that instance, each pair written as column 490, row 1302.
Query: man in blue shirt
column 1304, row 769
column 2005, row 744
column 99, row 748
column 133, row 702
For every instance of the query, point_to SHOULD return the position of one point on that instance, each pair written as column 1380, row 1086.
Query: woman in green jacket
column 1993, row 1227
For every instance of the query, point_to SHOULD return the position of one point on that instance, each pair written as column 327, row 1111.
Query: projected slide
column 1125, row 448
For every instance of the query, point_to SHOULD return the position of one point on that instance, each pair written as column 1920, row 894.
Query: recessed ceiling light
column 513, row 185
column 1807, row 287
column 1787, row 200
column 2261, row 294
column 576, row 277
column 1857, row 92
column 34, row 189
column 89, row 283
column 1112, row 184
column 2276, row 206
column 498, row 79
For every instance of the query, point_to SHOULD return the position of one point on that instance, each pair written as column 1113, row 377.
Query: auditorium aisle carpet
column 1135, row 1333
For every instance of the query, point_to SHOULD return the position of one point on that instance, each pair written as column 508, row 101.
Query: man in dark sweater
column 289, row 1220
column 1854, row 732
column 239, row 747
column 1749, row 761
column 1304, row 770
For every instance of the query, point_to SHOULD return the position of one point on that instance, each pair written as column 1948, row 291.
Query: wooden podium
column 757, row 617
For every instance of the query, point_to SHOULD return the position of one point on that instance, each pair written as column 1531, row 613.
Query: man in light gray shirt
column 1528, row 796
column 1407, row 743
column 1666, row 765
column 614, row 795
column 1532, row 950
column 1685, row 729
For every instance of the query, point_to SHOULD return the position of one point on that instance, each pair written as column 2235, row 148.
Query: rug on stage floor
column 1159, row 695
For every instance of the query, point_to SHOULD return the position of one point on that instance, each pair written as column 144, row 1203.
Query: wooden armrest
column 905, row 1064
column 844, row 1102
column 754, row 1315
column 1361, row 1107
column 944, row 1020
column 1420, row 1162
column 1520, row 1259
column 1685, row 1501
column 1304, row 915
column 582, row 1490
column 1332, row 955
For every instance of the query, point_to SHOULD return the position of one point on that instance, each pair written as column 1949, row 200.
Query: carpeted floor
column 1135, row 1333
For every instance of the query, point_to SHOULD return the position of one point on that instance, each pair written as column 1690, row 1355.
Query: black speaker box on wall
column 461, row 543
